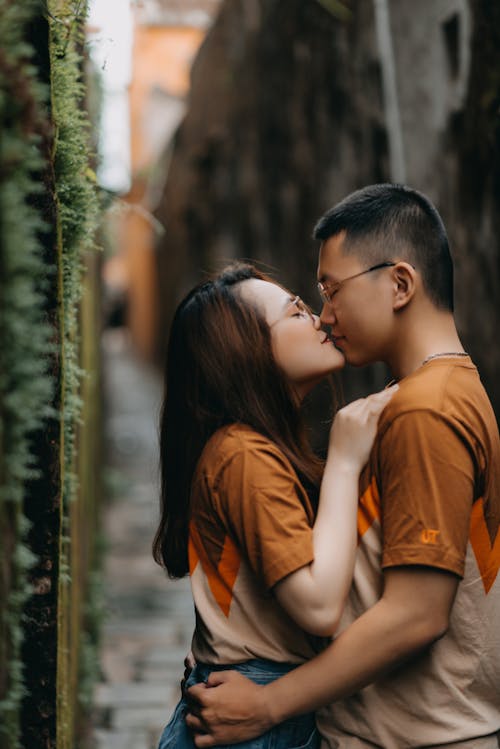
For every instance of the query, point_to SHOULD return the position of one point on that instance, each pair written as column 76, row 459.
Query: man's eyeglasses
column 328, row 291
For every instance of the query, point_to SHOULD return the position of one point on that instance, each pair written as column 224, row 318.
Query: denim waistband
column 254, row 666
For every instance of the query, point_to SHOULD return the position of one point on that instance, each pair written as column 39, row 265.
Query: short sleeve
column 426, row 475
column 267, row 512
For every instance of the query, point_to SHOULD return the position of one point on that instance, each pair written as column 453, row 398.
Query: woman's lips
column 333, row 339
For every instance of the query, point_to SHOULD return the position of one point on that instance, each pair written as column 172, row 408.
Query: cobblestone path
column 149, row 619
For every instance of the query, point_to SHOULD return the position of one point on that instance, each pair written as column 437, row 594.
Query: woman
column 239, row 483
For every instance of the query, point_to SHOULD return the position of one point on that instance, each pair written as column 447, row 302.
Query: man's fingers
column 195, row 698
column 204, row 739
column 195, row 723
column 199, row 732
column 189, row 664
column 195, row 695
column 199, row 729
column 195, row 710
column 220, row 711
column 216, row 678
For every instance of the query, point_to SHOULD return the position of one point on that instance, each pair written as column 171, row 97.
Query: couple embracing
column 353, row 603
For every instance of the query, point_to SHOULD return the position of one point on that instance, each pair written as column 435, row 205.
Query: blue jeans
column 295, row 733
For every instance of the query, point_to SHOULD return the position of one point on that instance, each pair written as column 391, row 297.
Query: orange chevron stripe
column 221, row 579
column 368, row 508
column 197, row 551
column 192, row 553
column 228, row 570
column 487, row 553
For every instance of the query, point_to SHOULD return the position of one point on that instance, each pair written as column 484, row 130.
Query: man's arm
column 412, row 613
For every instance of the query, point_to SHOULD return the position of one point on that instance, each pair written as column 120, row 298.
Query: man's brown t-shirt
column 430, row 495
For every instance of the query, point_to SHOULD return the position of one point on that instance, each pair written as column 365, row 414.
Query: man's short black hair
column 388, row 222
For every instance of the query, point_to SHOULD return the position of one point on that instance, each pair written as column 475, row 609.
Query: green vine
column 33, row 115
column 77, row 216
column 76, row 201
column 25, row 386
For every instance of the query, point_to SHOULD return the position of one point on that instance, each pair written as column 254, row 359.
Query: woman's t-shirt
column 250, row 527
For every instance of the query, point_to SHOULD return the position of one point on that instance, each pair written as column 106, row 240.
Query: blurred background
column 246, row 120
column 214, row 130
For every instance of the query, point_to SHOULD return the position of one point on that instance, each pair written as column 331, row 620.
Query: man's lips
column 337, row 340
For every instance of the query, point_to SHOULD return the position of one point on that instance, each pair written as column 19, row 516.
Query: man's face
column 360, row 311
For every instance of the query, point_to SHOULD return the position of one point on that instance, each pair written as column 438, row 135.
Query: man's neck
column 435, row 333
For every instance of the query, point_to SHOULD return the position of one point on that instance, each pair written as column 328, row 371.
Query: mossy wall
column 49, row 376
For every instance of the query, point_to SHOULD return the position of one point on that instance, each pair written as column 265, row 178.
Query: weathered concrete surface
column 286, row 116
column 149, row 619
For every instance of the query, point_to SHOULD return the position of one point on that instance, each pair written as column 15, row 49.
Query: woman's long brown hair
column 220, row 370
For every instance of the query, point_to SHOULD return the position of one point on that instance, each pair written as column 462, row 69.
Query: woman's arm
column 314, row 596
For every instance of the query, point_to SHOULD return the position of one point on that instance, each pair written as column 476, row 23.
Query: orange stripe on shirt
column 192, row 553
column 487, row 553
column 221, row 579
column 228, row 570
column 368, row 508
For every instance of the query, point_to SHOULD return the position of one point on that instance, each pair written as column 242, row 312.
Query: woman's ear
column 404, row 278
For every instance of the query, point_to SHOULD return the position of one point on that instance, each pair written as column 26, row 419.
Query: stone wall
column 287, row 116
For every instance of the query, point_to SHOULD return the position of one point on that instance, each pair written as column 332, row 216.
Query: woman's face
column 301, row 349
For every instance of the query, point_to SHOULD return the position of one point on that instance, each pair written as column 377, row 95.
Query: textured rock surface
column 287, row 116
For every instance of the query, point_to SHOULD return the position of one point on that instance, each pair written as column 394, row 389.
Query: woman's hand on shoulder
column 354, row 429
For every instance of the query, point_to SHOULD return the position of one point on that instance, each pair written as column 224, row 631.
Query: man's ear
column 404, row 278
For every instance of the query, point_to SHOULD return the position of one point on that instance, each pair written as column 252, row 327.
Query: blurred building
column 296, row 103
column 145, row 69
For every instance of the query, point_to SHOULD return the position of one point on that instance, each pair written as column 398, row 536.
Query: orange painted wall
column 162, row 58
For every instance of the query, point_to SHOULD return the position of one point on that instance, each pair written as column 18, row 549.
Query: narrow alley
column 148, row 618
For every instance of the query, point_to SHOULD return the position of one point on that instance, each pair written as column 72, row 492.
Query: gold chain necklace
column 434, row 356
column 444, row 354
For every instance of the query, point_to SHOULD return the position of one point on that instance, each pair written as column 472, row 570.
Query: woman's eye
column 300, row 309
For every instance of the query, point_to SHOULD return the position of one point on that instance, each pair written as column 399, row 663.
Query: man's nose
column 327, row 316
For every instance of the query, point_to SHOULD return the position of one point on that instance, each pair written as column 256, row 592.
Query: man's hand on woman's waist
column 228, row 709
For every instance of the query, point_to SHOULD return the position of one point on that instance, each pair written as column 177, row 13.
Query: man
column 417, row 661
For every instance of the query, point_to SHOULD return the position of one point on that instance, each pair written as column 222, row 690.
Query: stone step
column 149, row 619
column 129, row 739
column 137, row 694
column 150, row 718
